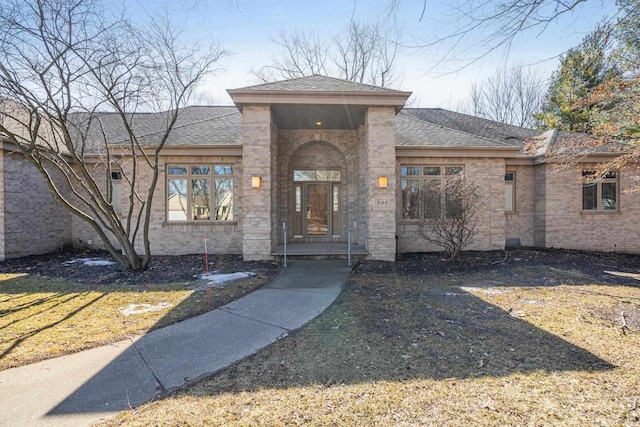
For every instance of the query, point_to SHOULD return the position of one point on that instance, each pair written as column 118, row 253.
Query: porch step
column 354, row 257
column 320, row 250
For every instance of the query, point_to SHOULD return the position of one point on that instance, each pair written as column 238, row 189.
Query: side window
column 510, row 192
column 599, row 193
column 116, row 191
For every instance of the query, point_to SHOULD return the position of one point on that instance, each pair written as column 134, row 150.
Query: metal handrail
column 284, row 230
column 350, row 230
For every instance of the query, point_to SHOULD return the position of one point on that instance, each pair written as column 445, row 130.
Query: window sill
column 198, row 223
column 601, row 212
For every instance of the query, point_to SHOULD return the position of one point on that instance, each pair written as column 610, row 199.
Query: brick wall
column 31, row 220
column 176, row 238
column 361, row 230
column 539, row 205
column 380, row 204
column 276, row 223
column 258, row 156
column 567, row 226
column 489, row 174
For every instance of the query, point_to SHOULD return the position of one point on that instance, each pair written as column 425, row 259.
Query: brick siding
column 32, row 221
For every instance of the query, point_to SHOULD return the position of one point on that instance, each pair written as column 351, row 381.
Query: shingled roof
column 221, row 125
column 316, row 83
column 196, row 125
column 456, row 129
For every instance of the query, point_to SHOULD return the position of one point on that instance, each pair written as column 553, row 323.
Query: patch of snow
column 92, row 262
column 143, row 308
column 624, row 274
column 220, row 279
column 517, row 313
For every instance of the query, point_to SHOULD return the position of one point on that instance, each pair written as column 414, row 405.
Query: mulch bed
column 162, row 269
column 169, row 269
column 593, row 264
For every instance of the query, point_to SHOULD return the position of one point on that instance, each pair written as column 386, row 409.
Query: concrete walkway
column 96, row 384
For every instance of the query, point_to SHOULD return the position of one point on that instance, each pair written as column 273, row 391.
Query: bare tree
column 473, row 29
column 510, row 96
column 63, row 63
column 364, row 53
column 304, row 53
column 449, row 218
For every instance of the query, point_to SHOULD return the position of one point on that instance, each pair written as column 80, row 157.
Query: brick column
column 257, row 152
column 380, row 160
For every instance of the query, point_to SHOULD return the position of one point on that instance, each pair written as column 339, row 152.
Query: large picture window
column 424, row 194
column 599, row 194
column 199, row 193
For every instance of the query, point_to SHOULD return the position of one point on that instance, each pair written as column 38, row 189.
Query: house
column 325, row 158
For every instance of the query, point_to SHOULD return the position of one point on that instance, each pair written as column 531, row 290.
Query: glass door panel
column 317, row 208
column 297, row 210
column 335, row 209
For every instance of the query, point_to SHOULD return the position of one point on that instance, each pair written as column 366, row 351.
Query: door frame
column 299, row 205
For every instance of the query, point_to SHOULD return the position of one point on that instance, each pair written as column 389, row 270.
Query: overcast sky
column 244, row 27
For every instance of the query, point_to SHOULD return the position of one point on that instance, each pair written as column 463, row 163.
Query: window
column 510, row 192
column 424, row 194
column 599, row 194
column 200, row 193
column 116, row 191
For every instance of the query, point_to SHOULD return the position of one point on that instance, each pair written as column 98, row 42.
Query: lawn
column 545, row 338
column 49, row 308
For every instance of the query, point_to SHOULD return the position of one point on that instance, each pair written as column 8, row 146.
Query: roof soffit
column 243, row 97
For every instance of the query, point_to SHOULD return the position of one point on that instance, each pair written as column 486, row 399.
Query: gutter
column 446, row 151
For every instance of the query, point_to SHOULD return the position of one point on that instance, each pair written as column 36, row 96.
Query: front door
column 316, row 210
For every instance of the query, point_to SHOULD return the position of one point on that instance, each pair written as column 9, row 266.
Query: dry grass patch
column 43, row 317
column 413, row 349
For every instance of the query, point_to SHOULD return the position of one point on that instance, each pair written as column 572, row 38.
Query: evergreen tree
column 582, row 69
column 614, row 105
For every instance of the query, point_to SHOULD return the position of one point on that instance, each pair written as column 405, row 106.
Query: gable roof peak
column 316, row 83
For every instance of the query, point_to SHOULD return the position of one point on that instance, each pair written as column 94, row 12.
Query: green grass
column 418, row 350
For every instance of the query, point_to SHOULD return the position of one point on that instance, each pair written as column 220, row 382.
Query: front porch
column 315, row 151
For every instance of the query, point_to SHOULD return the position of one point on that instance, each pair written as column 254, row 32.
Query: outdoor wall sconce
column 382, row 181
column 256, row 181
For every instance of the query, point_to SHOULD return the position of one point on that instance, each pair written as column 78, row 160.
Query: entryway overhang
column 319, row 109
